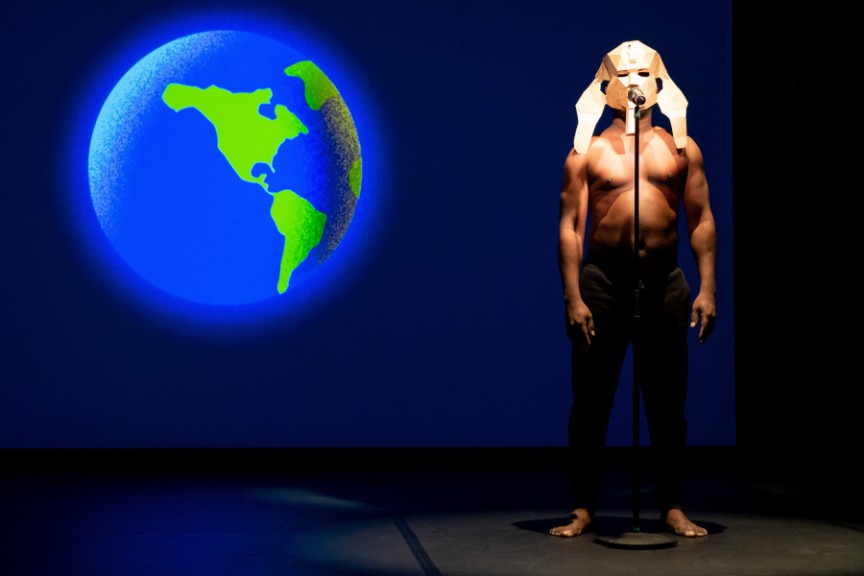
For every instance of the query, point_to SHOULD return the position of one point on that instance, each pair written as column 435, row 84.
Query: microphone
column 635, row 95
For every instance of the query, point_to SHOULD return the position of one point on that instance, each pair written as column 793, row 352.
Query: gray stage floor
column 391, row 521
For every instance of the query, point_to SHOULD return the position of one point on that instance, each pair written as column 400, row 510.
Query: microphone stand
column 636, row 538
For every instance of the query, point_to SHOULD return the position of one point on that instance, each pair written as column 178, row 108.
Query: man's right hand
column 580, row 324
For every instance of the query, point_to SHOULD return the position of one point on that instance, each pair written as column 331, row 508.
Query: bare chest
column 615, row 173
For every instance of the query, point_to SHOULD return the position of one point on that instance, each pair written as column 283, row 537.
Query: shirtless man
column 618, row 295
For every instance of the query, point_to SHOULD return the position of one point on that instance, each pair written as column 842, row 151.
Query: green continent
column 318, row 86
column 244, row 136
column 247, row 138
column 355, row 176
column 302, row 225
column 342, row 139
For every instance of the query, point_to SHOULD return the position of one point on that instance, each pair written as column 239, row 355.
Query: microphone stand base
column 637, row 541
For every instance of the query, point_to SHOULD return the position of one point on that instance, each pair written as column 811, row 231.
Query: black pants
column 659, row 339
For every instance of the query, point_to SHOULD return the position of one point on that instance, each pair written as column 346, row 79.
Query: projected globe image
column 225, row 168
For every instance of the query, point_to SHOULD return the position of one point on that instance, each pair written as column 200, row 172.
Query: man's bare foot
column 580, row 519
column 682, row 526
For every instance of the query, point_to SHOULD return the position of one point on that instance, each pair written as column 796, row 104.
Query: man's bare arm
column 571, row 235
column 703, row 240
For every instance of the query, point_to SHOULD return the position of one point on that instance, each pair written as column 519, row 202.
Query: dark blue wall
column 448, row 332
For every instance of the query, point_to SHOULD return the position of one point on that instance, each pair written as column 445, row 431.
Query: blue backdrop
column 444, row 325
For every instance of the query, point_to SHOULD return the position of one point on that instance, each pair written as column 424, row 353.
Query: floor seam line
column 426, row 563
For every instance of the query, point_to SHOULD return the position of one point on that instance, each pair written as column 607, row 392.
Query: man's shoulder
column 661, row 131
column 602, row 145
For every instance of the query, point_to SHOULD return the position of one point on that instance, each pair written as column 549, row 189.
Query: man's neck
column 619, row 118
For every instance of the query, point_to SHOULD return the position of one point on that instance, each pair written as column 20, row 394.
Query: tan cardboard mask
column 631, row 65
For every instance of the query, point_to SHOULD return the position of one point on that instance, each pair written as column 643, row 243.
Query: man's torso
column 612, row 194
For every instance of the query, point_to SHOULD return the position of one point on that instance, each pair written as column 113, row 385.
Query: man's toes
column 692, row 532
